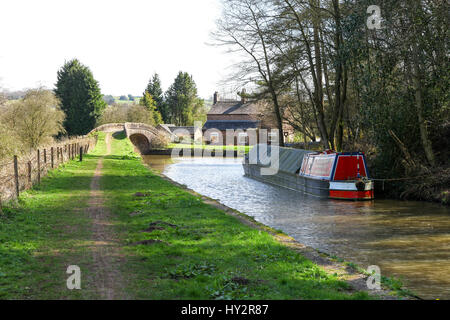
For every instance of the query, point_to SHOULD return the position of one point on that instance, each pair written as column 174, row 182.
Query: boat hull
column 317, row 188
column 348, row 190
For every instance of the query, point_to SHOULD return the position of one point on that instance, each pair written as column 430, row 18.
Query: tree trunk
column 320, row 117
column 319, row 75
column 417, row 84
column 426, row 143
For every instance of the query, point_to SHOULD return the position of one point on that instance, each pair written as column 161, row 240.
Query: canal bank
column 162, row 241
column 356, row 277
column 408, row 240
column 179, row 246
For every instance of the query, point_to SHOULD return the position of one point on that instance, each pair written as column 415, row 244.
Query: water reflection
column 409, row 240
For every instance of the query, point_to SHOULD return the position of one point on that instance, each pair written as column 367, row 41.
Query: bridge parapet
column 109, row 127
column 131, row 127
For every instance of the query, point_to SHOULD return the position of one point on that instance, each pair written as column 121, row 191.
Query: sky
column 123, row 42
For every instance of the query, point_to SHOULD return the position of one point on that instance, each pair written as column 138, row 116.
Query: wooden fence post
column 45, row 155
column 30, row 182
column 16, row 175
column 81, row 154
column 53, row 162
column 39, row 166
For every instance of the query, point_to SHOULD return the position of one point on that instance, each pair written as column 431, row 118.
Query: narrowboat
column 342, row 176
column 329, row 174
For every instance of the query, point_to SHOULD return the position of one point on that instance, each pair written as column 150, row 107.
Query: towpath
column 105, row 248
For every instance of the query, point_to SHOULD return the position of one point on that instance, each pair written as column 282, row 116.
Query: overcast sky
column 123, row 42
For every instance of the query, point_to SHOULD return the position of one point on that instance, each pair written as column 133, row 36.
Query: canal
column 407, row 240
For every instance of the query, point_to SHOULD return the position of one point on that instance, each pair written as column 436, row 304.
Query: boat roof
column 290, row 160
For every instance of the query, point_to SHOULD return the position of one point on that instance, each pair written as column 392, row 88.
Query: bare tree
column 35, row 119
column 243, row 28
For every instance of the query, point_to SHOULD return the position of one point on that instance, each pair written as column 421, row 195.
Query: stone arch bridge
column 140, row 134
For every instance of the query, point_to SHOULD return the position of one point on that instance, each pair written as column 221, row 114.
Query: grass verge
column 46, row 231
column 174, row 246
column 195, row 251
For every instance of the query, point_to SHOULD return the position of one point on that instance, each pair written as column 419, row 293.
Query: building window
column 273, row 137
column 214, row 137
column 242, row 138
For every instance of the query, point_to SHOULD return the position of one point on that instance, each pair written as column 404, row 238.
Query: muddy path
column 107, row 278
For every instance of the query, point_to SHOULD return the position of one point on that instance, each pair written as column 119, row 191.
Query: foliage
column 149, row 103
column 160, row 142
column 382, row 91
column 155, row 90
column 2, row 99
column 30, row 122
column 121, row 113
column 80, row 97
column 109, row 99
column 184, row 106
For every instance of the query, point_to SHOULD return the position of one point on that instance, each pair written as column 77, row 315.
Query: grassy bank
column 173, row 246
column 203, row 253
column 45, row 232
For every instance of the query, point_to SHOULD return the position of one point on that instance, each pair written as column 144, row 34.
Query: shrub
column 30, row 122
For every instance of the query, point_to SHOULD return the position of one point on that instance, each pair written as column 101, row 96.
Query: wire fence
column 23, row 173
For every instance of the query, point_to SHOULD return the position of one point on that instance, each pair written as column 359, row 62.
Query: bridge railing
column 22, row 173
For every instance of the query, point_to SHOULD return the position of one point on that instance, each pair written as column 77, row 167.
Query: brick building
column 241, row 116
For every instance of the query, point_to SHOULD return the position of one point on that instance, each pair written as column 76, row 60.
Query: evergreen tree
column 155, row 90
column 150, row 104
column 80, row 97
column 182, row 101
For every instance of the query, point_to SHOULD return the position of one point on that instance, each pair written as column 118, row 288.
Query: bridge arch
column 141, row 142
column 140, row 134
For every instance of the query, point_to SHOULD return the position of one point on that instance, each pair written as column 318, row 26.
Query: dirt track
column 107, row 277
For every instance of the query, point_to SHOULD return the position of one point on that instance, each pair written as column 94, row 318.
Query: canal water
column 408, row 240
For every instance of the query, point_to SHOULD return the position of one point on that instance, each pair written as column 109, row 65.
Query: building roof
column 235, row 107
column 231, row 124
